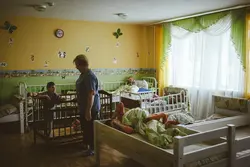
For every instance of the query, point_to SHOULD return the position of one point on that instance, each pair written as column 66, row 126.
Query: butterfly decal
column 118, row 33
column 9, row 27
column 3, row 64
column 64, row 76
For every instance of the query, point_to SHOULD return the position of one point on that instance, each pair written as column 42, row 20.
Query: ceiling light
column 40, row 8
column 121, row 15
column 50, row 3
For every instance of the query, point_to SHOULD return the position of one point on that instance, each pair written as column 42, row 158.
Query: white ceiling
column 138, row 11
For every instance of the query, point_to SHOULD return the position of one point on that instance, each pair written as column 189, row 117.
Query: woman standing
column 88, row 100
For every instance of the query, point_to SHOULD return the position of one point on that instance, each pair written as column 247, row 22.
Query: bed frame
column 169, row 103
column 27, row 106
column 149, row 155
column 221, row 138
column 58, row 128
column 234, row 115
column 110, row 86
column 56, row 123
column 220, row 141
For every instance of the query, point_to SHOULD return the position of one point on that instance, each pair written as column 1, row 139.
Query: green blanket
column 154, row 131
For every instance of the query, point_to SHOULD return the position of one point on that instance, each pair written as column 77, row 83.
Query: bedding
column 10, row 118
column 154, row 131
column 7, row 110
column 143, row 90
column 183, row 118
column 128, row 88
column 141, row 84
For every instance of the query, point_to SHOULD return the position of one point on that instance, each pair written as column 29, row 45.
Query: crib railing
column 154, row 104
column 151, row 81
column 168, row 103
column 24, row 89
column 106, row 105
column 56, row 123
column 110, row 86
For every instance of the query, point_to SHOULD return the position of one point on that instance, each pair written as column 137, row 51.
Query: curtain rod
column 201, row 14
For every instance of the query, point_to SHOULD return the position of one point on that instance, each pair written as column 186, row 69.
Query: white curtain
column 206, row 63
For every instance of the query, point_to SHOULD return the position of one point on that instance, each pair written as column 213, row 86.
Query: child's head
column 131, row 81
column 51, row 87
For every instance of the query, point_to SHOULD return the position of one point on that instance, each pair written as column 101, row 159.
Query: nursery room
column 124, row 83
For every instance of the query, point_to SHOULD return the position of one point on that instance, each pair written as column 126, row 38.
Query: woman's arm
column 90, row 86
column 90, row 104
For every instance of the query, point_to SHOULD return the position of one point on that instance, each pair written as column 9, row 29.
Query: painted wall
column 35, row 36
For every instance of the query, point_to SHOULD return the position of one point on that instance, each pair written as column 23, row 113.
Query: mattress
column 10, row 118
column 140, row 96
column 212, row 117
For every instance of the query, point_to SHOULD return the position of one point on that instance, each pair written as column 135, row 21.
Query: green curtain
column 238, row 34
column 166, row 43
column 197, row 24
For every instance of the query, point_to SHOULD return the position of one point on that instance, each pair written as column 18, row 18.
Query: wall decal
column 87, row 49
column 74, row 72
column 118, row 33
column 61, row 54
column 9, row 27
column 114, row 61
column 3, row 64
column 11, row 41
column 46, row 63
column 118, row 44
column 63, row 76
column 32, row 58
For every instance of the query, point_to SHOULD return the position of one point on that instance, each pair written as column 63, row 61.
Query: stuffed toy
column 76, row 125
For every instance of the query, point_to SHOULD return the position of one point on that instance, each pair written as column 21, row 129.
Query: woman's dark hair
column 81, row 60
column 50, row 84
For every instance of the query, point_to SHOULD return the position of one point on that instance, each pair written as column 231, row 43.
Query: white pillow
column 141, row 84
column 134, row 89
